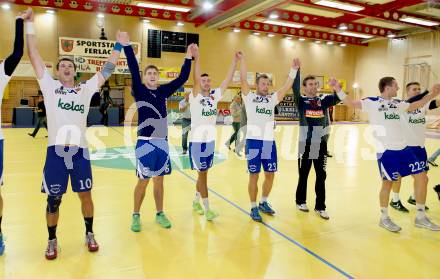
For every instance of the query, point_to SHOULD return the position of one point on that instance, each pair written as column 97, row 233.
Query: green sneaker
column 198, row 208
column 162, row 220
column 136, row 223
column 211, row 215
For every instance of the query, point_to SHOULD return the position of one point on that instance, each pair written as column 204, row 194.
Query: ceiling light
column 236, row 30
column 256, row 33
column 282, row 23
column 273, row 15
column 164, row 7
column 6, row 6
column 50, row 12
column 339, row 5
column 391, row 35
column 301, row 39
column 100, row 15
column 419, row 21
column 289, row 37
column 351, row 34
column 179, row 23
column 270, row 35
column 329, row 43
column 207, row 5
column 342, row 26
column 317, row 42
column 343, row 45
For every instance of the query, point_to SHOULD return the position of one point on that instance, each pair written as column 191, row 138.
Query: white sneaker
column 323, row 214
column 389, row 225
column 303, row 207
column 427, row 224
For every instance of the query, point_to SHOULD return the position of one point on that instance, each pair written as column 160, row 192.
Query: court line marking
column 288, row 238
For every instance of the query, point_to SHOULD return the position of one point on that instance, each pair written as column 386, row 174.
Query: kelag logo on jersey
column 70, row 106
column 209, row 112
column 263, row 111
column 391, row 116
column 417, row 120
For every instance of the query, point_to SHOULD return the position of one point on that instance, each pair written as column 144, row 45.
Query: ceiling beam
column 242, row 12
column 299, row 32
column 327, row 22
column 184, row 3
column 108, row 8
column 224, row 6
column 387, row 12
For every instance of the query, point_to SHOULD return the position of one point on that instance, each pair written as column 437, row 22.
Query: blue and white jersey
column 414, row 124
column 67, row 109
column 204, row 116
column 260, row 112
column 385, row 118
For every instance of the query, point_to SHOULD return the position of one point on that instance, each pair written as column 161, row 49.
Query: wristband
column 30, row 29
column 341, row 95
column 118, row 47
column 292, row 73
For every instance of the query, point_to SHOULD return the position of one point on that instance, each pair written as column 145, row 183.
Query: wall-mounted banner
column 94, row 65
column 91, row 48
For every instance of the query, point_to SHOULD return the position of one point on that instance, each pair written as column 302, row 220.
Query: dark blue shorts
column 201, row 155
column 65, row 161
column 400, row 163
column 152, row 158
column 259, row 152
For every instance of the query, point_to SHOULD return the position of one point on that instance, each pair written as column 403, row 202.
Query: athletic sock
column 420, row 211
column 89, row 224
column 52, row 232
column 136, row 214
column 206, row 204
column 396, row 197
column 384, row 212
column 197, row 197
column 253, row 204
column 263, row 199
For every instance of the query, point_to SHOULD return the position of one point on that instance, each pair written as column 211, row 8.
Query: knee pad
column 53, row 204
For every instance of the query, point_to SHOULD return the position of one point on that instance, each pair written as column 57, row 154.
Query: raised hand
column 196, row 50
column 296, row 63
column 123, row 38
column 333, row 83
column 436, row 90
column 190, row 51
column 27, row 15
column 239, row 55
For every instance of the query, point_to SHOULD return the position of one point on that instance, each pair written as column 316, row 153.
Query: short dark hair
column 66, row 59
column 262, row 76
column 384, row 82
column 40, row 93
column 307, row 78
column 151, row 67
column 411, row 84
column 204, row 75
